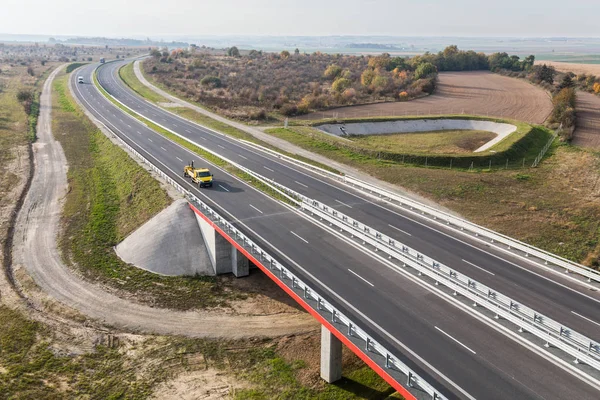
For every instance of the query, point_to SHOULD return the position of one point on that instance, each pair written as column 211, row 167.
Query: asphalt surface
column 557, row 298
column 476, row 361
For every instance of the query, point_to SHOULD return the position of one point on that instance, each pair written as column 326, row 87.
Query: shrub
column 211, row 81
column 332, row 72
column 288, row 109
column 341, row 84
column 233, row 52
column 403, row 96
column 424, row 70
column 596, row 88
column 366, row 78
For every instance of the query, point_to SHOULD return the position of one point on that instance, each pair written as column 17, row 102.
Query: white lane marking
column 121, row 120
column 255, row 208
column 500, row 258
column 224, row 188
column 150, row 140
column 586, row 318
column 139, row 133
column 129, row 126
column 188, row 131
column 175, row 125
column 268, row 169
column 360, row 277
column 299, row 237
column 301, row 184
column 398, row 229
column 179, row 159
column 203, row 138
column 342, row 203
column 300, row 268
column 242, row 156
column 477, row 266
column 163, row 148
column 455, row 340
column 220, row 146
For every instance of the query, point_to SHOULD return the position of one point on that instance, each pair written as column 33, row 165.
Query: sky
column 167, row 18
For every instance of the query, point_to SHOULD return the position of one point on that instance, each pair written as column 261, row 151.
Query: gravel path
column 35, row 249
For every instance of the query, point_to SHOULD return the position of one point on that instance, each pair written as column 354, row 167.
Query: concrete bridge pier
column 224, row 257
column 331, row 356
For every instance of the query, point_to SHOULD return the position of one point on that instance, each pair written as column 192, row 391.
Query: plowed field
column 478, row 93
column 587, row 133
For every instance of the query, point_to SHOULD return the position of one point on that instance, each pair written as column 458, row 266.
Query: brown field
column 576, row 68
column 477, row 92
column 587, row 132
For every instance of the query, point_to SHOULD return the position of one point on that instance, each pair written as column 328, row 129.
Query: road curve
column 445, row 338
column 35, row 249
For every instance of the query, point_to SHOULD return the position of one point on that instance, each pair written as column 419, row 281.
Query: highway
column 460, row 355
column 578, row 308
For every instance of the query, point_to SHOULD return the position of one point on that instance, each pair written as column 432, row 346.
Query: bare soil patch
column 475, row 93
column 587, row 131
column 576, row 68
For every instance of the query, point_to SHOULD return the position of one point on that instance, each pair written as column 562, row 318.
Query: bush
column 424, row 70
column 211, row 81
column 563, row 110
column 596, row 88
column 289, row 110
column 341, row 84
column 332, row 72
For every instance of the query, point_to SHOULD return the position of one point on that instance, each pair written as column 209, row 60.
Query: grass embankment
column 37, row 364
column 435, row 142
column 110, row 196
column 518, row 149
column 128, row 76
column 258, row 184
column 536, row 205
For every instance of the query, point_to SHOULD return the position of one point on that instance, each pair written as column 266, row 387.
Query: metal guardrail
column 571, row 342
column 579, row 346
column 353, row 329
column 450, row 220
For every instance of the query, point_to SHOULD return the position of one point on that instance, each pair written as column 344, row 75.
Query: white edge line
column 463, row 345
column 400, row 230
column 477, row 266
column 586, row 318
column 357, row 275
column 299, row 237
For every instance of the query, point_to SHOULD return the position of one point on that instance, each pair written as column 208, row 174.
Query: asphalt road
column 457, row 353
column 559, row 299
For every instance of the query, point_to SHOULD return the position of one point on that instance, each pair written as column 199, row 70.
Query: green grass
column 521, row 147
column 128, row 76
column 436, row 142
column 34, row 371
column 110, row 196
column 251, row 180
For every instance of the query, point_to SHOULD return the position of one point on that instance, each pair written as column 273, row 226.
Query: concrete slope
column 168, row 244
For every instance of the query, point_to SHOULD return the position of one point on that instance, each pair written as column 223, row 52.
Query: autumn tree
column 332, row 72
column 424, row 70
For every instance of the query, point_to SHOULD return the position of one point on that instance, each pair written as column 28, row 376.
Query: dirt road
column 477, row 92
column 35, row 250
column 587, row 133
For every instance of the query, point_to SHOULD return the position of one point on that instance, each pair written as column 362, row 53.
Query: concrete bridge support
column 224, row 257
column 331, row 356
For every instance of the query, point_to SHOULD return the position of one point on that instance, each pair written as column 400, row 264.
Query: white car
column 80, row 79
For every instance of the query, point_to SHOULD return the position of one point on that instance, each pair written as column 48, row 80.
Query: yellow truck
column 200, row 176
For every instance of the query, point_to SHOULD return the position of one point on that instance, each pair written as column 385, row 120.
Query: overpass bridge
column 415, row 333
